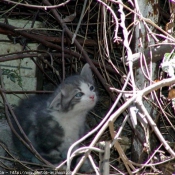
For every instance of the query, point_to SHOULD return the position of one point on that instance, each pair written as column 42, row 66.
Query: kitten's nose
column 92, row 97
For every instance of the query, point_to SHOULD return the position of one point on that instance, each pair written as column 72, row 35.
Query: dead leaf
column 171, row 94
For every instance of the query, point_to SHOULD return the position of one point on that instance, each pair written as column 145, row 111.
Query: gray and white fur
column 53, row 122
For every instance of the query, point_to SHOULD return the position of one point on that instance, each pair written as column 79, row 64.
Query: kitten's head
column 76, row 93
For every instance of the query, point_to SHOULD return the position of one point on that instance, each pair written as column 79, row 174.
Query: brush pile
column 132, row 58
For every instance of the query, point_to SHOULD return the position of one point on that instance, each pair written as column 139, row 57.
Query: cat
column 54, row 122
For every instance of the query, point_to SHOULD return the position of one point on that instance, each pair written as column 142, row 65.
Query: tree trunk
column 147, row 9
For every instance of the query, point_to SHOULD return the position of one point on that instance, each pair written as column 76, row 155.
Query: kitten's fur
column 52, row 123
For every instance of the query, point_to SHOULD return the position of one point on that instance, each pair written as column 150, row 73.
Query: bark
column 141, row 43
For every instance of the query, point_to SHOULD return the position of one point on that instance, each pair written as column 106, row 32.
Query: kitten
column 54, row 122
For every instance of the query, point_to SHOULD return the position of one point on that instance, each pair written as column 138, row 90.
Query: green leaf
column 12, row 78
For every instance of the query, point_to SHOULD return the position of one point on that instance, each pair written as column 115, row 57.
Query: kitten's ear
column 56, row 101
column 68, row 92
column 62, row 100
column 87, row 73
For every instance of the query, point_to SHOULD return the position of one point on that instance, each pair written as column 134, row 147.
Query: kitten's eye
column 92, row 88
column 79, row 94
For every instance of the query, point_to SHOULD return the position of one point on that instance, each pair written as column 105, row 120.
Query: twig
column 105, row 158
column 37, row 6
column 146, row 20
column 9, row 109
column 13, row 159
column 93, row 165
column 79, row 47
column 146, row 163
column 120, row 150
column 79, row 22
column 153, row 125
column 127, row 45
column 120, row 130
column 113, row 117
column 63, row 61
column 102, row 123
column 32, row 36
column 116, row 38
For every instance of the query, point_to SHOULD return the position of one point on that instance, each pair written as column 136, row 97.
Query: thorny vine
column 106, row 35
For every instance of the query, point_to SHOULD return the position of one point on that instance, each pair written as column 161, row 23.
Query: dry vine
column 102, row 33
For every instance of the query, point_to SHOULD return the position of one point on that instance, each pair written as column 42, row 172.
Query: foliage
column 12, row 75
